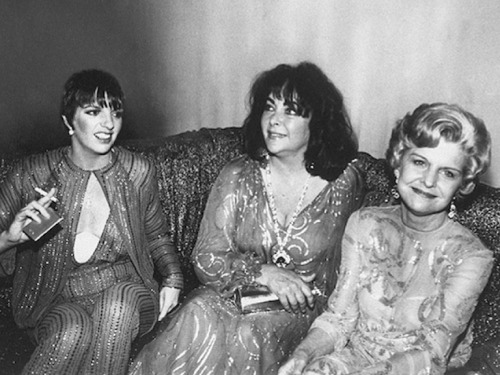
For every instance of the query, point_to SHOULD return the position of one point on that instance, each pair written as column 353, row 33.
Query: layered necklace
column 280, row 255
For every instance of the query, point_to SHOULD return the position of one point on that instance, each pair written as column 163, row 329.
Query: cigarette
column 44, row 193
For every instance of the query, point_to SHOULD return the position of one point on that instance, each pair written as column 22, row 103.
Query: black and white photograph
column 249, row 187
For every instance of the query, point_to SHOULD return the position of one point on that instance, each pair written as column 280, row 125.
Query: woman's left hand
column 169, row 298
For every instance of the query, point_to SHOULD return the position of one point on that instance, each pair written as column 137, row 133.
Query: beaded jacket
column 130, row 187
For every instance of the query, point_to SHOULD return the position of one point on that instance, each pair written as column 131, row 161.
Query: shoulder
column 464, row 237
column 134, row 167
column 374, row 217
column 40, row 163
column 351, row 178
column 239, row 166
column 236, row 174
column 133, row 162
column 46, row 156
column 466, row 251
column 128, row 157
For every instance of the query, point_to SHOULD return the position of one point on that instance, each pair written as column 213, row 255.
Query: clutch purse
column 256, row 298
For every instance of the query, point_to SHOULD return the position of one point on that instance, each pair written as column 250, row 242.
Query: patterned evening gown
column 401, row 290
column 209, row 335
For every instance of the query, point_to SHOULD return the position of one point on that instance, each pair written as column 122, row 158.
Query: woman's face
column 95, row 129
column 428, row 178
column 284, row 131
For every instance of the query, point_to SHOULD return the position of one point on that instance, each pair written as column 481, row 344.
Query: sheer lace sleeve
column 218, row 260
column 340, row 318
column 463, row 283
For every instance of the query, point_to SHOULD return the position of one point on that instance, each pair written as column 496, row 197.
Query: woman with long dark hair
column 272, row 223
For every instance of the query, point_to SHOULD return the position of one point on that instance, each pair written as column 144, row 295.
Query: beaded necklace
column 280, row 255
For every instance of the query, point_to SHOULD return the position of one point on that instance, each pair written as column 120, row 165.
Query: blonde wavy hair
column 431, row 123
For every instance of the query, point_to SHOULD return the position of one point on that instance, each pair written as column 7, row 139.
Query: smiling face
column 95, row 129
column 285, row 131
column 428, row 179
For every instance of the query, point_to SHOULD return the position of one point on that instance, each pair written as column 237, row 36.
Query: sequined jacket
column 129, row 184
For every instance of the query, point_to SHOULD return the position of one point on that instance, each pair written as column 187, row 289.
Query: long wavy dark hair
column 332, row 144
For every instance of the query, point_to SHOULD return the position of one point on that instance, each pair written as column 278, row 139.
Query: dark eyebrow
column 291, row 103
column 91, row 105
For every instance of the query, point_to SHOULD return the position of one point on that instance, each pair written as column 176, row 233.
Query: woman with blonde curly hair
column 410, row 275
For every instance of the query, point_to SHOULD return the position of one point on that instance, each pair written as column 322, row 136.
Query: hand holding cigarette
column 36, row 213
column 43, row 223
column 50, row 194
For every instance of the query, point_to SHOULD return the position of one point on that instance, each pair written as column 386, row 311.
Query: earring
column 71, row 132
column 395, row 193
column 453, row 209
column 310, row 166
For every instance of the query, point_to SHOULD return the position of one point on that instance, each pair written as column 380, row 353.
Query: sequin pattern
column 42, row 267
column 401, row 290
column 209, row 335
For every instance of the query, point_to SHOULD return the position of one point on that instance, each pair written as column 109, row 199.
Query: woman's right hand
column 293, row 292
column 31, row 212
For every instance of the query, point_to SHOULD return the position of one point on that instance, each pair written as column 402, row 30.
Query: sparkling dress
column 209, row 335
column 402, row 291
column 129, row 183
column 84, row 316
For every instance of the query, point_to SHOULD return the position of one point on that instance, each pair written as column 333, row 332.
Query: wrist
column 262, row 278
column 302, row 354
column 6, row 242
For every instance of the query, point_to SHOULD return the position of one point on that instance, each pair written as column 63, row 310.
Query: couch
column 187, row 165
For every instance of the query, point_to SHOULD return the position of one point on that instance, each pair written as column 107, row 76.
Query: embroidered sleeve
column 218, row 260
column 446, row 316
column 160, row 244
column 339, row 320
column 463, row 283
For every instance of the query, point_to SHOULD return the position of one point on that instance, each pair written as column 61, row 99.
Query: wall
column 188, row 64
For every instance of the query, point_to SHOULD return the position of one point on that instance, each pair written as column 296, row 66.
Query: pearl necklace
column 280, row 255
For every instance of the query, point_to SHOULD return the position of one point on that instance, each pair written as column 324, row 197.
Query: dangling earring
column 394, row 190
column 395, row 193
column 453, row 209
column 71, row 132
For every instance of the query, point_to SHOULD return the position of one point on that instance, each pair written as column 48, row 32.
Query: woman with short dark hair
column 85, row 290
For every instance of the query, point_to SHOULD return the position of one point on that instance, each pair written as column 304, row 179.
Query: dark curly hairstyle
column 91, row 87
column 429, row 123
column 332, row 144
